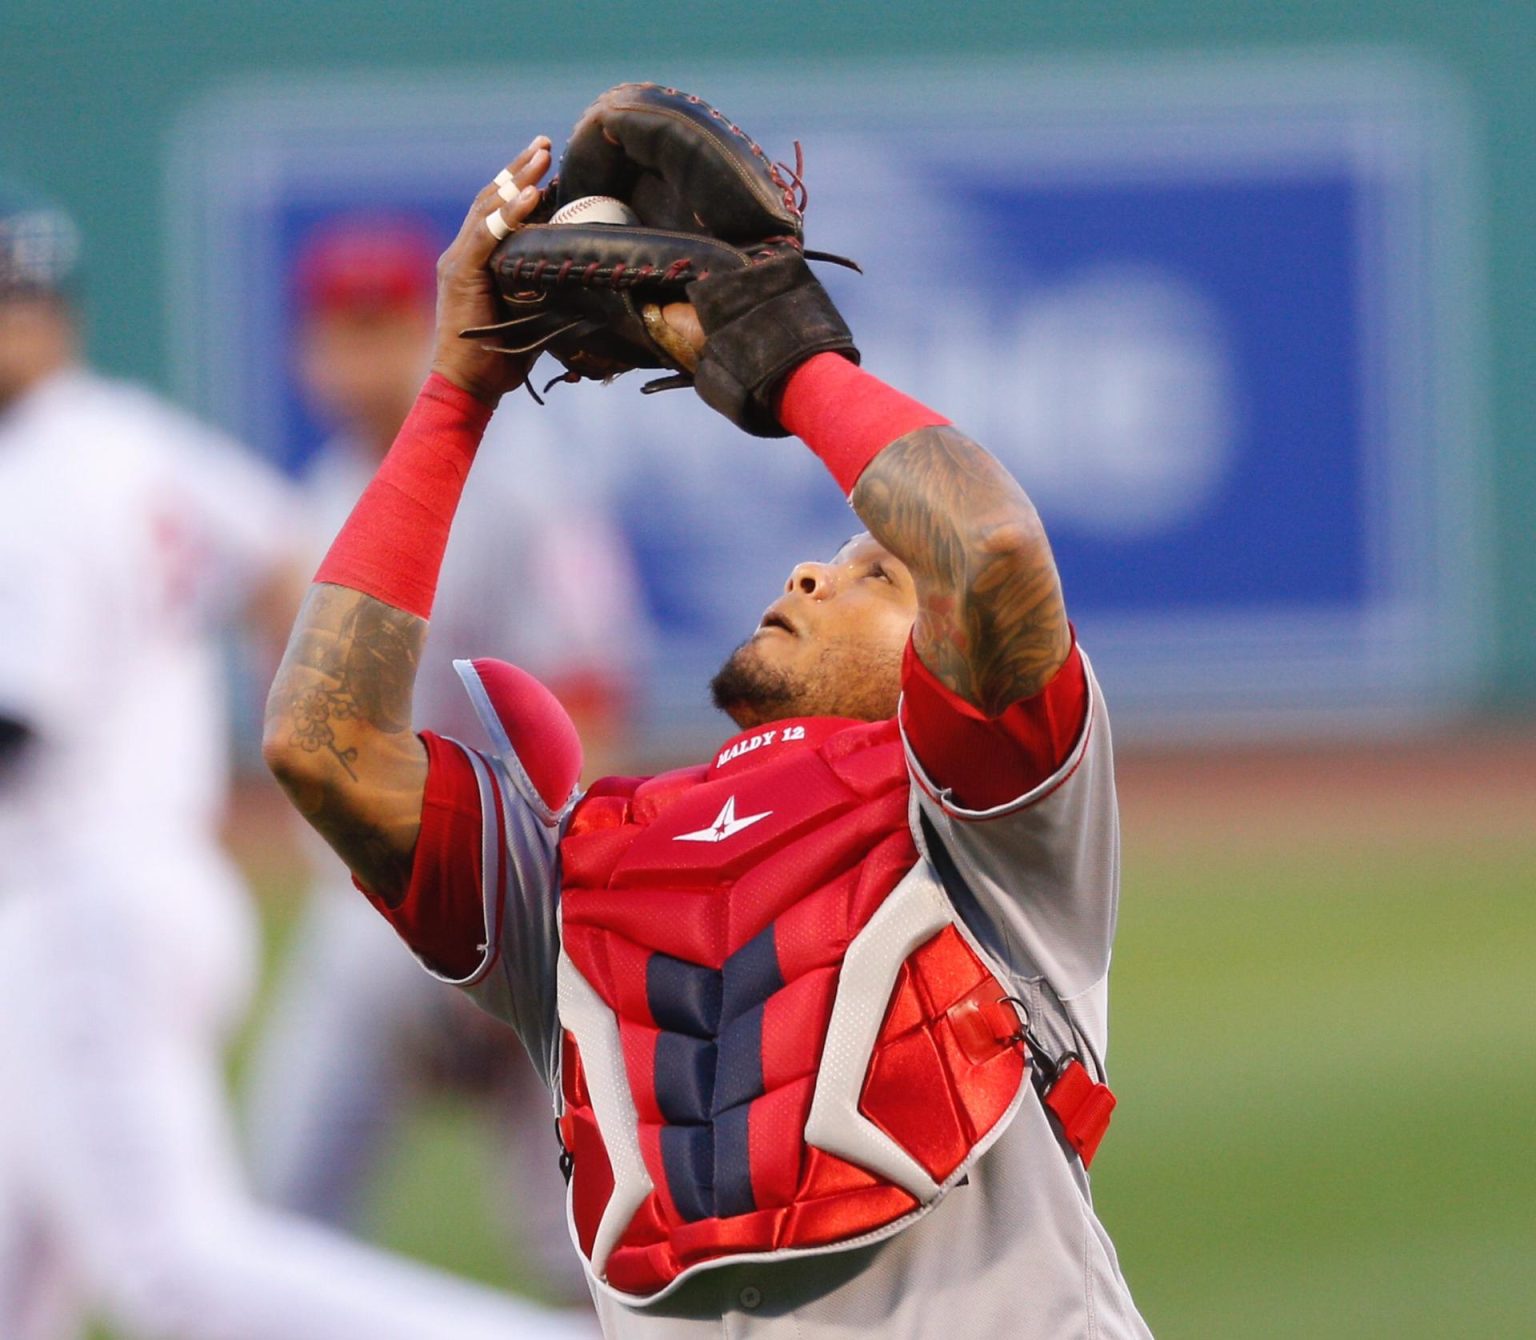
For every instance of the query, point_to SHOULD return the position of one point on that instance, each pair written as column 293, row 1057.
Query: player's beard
column 845, row 680
column 750, row 692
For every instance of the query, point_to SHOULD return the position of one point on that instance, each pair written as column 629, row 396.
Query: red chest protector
column 777, row 1037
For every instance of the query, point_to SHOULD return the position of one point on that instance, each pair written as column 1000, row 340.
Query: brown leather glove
column 711, row 205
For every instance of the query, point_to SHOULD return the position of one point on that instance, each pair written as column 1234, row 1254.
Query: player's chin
column 753, row 687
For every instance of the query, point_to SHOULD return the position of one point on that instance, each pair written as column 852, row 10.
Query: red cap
column 367, row 262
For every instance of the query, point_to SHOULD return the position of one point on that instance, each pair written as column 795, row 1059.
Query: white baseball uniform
column 130, row 533
column 538, row 578
column 1024, row 812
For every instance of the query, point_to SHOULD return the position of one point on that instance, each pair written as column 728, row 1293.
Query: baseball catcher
column 824, row 1015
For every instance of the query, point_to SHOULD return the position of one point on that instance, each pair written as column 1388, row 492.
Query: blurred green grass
column 1322, row 1052
column 1323, row 1058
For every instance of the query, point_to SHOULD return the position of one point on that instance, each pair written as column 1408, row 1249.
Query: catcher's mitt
column 709, row 202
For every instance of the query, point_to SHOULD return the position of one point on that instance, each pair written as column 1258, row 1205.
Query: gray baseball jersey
column 1016, row 1249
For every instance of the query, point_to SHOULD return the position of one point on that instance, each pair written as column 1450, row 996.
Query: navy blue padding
column 739, row 1066
column 687, row 1155
column 684, row 997
column 733, row 1163
column 751, row 974
column 685, row 1078
column 705, row 1090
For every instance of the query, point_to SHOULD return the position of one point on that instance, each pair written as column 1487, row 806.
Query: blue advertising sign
column 1207, row 312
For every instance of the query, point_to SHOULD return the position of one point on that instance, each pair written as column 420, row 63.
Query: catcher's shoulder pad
column 680, row 164
column 525, row 720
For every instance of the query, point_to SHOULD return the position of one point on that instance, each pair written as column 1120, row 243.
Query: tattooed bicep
column 991, row 623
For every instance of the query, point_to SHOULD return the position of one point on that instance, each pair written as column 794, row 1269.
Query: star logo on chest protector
column 726, row 825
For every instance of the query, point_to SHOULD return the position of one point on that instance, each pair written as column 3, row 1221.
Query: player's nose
column 811, row 579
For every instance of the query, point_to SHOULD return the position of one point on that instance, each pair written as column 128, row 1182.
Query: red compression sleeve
column 846, row 415
column 391, row 547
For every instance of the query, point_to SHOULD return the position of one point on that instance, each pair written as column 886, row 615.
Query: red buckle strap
column 1081, row 1105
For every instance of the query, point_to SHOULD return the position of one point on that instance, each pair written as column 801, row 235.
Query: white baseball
column 595, row 209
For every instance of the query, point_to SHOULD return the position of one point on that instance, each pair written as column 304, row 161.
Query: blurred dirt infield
column 1476, row 785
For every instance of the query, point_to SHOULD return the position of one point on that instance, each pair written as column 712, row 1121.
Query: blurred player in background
column 131, row 536
column 357, row 1028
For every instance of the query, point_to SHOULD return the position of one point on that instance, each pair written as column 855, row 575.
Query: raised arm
column 991, row 624
column 339, row 734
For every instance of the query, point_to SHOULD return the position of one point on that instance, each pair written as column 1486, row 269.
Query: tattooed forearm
column 991, row 624
column 338, row 731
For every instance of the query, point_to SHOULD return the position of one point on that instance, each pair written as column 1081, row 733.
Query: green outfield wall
column 89, row 95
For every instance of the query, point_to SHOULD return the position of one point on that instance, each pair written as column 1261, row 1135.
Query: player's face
column 37, row 337
column 830, row 645
column 363, row 367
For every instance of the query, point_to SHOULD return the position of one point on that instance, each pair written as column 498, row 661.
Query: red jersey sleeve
column 442, row 916
column 985, row 762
